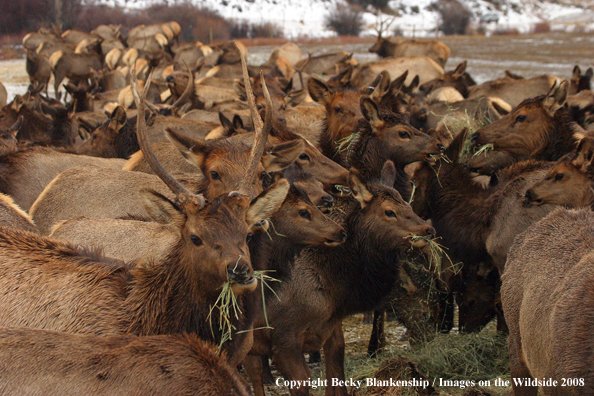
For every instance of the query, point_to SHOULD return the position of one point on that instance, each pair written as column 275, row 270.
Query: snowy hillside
column 306, row 17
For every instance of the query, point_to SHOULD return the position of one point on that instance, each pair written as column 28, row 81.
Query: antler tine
column 186, row 94
column 183, row 194
column 246, row 185
column 256, row 120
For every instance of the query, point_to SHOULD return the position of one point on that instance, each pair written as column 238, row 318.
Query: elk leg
column 446, row 313
column 290, row 362
column 253, row 368
column 315, row 357
column 377, row 341
column 267, row 376
column 518, row 368
column 334, row 355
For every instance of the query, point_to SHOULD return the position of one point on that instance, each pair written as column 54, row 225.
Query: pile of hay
column 461, row 357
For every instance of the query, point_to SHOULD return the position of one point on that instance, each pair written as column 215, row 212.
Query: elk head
column 102, row 140
column 213, row 235
column 569, row 182
column 395, row 139
column 522, row 134
column 384, row 215
column 8, row 140
column 300, row 219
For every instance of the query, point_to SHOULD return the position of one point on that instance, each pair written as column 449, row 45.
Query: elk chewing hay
column 347, row 143
column 342, row 189
column 227, row 305
column 436, row 253
column 484, row 149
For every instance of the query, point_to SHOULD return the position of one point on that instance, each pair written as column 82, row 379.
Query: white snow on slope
column 305, row 18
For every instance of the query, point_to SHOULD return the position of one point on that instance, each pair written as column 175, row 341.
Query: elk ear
column 371, row 113
column 268, row 202
column 406, row 281
column 382, row 86
column 225, row 122
column 358, row 188
column 388, row 174
column 460, row 70
column 239, row 88
column 282, row 155
column 16, row 127
column 319, row 91
column 585, row 153
column 577, row 73
column 398, row 83
column 344, row 78
column 237, row 122
column 589, row 73
column 119, row 117
column 513, row 76
column 414, row 83
column 193, row 150
column 295, row 98
column 556, row 97
column 161, row 209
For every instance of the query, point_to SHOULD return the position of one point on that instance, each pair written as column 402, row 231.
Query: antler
column 262, row 129
column 183, row 195
column 187, row 92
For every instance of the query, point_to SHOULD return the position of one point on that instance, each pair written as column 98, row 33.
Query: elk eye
column 249, row 236
column 304, row 157
column 337, row 109
column 521, row 118
column 559, row 176
column 196, row 240
column 304, row 213
column 390, row 213
column 215, row 175
column 404, row 135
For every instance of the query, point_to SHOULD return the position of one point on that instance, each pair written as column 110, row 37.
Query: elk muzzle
column 336, row 240
column 531, row 198
column 239, row 274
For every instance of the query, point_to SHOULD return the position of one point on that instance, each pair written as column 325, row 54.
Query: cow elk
column 73, row 364
column 569, row 183
column 546, row 295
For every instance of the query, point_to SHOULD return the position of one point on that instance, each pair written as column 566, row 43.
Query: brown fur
column 569, row 182
column 318, row 297
column 426, row 68
column 546, row 293
column 26, row 173
column 514, row 91
column 97, row 192
column 434, row 49
column 52, row 363
column 14, row 217
column 538, row 128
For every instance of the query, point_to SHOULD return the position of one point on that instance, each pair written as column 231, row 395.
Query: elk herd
column 310, row 188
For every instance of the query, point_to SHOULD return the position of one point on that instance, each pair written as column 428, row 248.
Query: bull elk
column 166, row 297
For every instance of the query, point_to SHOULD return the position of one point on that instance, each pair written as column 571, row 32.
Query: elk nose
column 530, row 195
column 169, row 78
column 441, row 147
column 328, row 200
column 238, row 272
column 475, row 137
column 430, row 232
